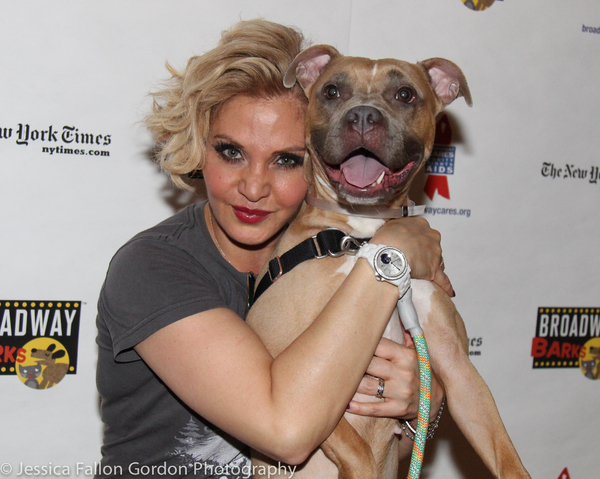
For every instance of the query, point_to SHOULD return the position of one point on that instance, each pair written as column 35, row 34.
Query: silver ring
column 380, row 388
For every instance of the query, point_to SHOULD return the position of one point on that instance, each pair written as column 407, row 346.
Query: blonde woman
column 185, row 383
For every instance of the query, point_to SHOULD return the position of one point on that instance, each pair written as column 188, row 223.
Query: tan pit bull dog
column 370, row 128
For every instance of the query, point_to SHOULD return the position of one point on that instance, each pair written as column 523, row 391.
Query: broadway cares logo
column 38, row 341
column 439, row 165
column 568, row 338
column 56, row 140
column 441, row 162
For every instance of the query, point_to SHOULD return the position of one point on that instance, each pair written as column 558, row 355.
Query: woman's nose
column 255, row 184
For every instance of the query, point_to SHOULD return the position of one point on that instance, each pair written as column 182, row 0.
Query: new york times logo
column 57, row 140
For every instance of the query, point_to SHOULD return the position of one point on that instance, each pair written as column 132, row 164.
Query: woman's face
column 254, row 167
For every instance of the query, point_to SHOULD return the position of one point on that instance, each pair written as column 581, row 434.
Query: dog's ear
column 447, row 80
column 59, row 354
column 308, row 65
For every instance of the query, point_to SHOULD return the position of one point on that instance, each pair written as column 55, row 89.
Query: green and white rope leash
column 410, row 320
column 416, row 460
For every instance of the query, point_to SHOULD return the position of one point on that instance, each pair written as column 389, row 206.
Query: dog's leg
column 350, row 453
column 470, row 401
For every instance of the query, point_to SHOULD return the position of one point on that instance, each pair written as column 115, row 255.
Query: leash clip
column 348, row 245
column 323, row 244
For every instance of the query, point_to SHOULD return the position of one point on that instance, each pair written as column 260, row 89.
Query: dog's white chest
column 364, row 227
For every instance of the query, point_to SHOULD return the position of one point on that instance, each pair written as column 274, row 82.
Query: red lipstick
column 250, row 216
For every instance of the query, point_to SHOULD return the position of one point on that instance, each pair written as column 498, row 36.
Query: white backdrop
column 519, row 222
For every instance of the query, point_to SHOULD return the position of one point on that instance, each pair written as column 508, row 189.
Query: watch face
column 390, row 263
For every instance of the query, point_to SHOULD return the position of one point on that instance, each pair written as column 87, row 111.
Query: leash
column 334, row 242
column 410, row 321
column 329, row 242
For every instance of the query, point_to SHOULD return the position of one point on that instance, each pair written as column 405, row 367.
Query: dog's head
column 371, row 123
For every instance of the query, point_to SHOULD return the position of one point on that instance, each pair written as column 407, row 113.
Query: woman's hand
column 398, row 366
column 420, row 244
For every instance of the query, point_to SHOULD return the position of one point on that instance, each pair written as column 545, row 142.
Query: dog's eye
column 331, row 92
column 405, row 95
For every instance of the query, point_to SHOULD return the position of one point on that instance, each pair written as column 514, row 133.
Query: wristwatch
column 388, row 263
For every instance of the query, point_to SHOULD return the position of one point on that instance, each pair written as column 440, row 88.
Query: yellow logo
column 589, row 359
column 46, row 363
column 478, row 4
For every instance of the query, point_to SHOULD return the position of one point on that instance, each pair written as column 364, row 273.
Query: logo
column 38, row 341
column 595, row 30
column 589, row 359
column 68, row 140
column 568, row 338
column 439, row 166
column 571, row 171
column 475, row 346
column 564, row 474
column 441, row 162
column 478, row 5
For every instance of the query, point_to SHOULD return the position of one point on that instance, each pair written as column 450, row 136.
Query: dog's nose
column 363, row 118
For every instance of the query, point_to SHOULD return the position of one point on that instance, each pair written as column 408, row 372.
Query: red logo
column 564, row 474
column 441, row 161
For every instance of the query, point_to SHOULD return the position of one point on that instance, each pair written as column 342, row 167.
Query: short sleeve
column 149, row 285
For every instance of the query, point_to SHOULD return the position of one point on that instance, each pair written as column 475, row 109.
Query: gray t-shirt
column 160, row 276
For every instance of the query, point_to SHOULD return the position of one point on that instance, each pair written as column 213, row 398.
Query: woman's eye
column 229, row 152
column 405, row 95
column 331, row 92
column 290, row 161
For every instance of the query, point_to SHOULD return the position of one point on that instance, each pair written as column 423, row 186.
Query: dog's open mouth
column 363, row 174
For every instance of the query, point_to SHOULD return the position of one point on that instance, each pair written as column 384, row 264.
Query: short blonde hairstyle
column 251, row 59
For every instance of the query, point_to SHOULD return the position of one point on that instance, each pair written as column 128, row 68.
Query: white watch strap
column 368, row 251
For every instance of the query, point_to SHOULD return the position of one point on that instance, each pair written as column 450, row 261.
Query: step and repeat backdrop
column 513, row 185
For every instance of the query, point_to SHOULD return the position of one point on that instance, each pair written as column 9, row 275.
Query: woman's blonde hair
column 251, row 59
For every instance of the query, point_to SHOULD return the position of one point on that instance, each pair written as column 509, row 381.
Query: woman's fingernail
column 453, row 293
column 348, row 407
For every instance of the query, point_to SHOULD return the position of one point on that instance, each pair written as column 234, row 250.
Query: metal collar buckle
column 348, row 245
column 280, row 270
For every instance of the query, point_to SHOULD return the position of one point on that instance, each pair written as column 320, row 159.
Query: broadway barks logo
column 38, row 340
column 568, row 338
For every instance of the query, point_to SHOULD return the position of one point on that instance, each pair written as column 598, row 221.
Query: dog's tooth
column 380, row 179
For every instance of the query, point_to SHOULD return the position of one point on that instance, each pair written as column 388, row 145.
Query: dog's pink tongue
column 361, row 171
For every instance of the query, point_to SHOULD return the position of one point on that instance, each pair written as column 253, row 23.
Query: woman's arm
column 283, row 407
